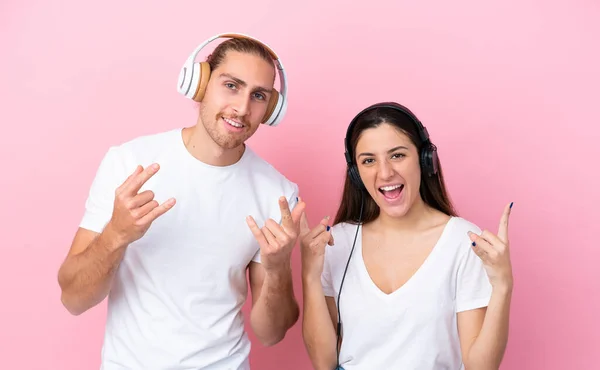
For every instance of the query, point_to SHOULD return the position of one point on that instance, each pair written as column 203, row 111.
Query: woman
column 415, row 286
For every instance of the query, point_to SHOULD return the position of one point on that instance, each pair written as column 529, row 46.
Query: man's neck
column 202, row 147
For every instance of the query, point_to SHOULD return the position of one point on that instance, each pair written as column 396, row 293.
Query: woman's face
column 388, row 163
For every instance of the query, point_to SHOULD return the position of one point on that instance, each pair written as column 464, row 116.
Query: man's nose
column 242, row 105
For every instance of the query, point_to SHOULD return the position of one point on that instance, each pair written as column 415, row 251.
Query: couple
column 176, row 221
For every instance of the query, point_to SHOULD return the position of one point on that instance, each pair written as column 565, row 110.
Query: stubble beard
column 222, row 139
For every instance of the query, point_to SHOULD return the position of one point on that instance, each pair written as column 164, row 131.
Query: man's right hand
column 133, row 213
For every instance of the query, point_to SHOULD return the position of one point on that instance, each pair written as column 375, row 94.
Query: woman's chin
column 395, row 212
column 394, row 208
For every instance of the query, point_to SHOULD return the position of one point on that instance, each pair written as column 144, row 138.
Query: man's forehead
column 248, row 68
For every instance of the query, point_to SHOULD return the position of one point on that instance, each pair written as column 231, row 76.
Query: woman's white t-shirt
column 415, row 327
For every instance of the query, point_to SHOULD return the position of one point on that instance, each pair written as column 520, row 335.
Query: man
column 171, row 227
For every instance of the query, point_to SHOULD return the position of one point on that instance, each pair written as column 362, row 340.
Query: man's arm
column 86, row 275
column 274, row 306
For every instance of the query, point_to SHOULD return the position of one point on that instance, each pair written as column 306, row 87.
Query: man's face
column 236, row 98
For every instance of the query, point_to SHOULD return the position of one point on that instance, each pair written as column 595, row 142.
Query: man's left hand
column 276, row 241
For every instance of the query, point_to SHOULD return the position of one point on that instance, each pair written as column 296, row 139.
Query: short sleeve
column 292, row 201
column 473, row 286
column 326, row 281
column 256, row 257
column 100, row 200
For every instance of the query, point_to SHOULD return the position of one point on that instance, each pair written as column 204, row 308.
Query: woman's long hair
column 432, row 188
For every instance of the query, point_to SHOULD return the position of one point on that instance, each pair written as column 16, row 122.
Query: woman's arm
column 484, row 332
column 320, row 315
column 318, row 325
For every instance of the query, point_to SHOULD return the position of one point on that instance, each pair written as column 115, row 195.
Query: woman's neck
column 420, row 216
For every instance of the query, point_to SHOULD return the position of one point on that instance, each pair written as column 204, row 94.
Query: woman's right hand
column 312, row 247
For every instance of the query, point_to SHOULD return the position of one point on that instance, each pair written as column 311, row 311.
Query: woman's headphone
column 194, row 76
column 428, row 157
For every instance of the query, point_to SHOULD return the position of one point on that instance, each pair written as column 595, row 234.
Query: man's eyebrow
column 243, row 83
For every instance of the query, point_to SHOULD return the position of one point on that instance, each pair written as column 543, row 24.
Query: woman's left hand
column 494, row 252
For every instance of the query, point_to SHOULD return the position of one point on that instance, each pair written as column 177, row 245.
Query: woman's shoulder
column 456, row 237
column 344, row 230
column 461, row 224
column 344, row 234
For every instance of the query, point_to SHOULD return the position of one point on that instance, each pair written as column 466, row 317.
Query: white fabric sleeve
column 326, row 281
column 100, row 200
column 473, row 286
column 326, row 275
column 292, row 201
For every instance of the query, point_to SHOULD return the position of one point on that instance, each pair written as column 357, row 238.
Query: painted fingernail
column 473, row 243
column 328, row 227
column 511, row 204
column 296, row 199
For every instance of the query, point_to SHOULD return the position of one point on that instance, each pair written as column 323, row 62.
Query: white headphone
column 194, row 76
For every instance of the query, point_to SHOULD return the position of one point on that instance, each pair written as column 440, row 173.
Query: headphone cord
column 339, row 323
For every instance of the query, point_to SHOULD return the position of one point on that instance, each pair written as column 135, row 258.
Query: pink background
column 508, row 90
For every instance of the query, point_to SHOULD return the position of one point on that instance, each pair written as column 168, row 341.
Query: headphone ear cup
column 429, row 159
column 200, row 81
column 272, row 110
column 355, row 177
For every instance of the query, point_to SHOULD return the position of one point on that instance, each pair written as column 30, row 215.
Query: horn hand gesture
column 494, row 252
column 276, row 241
column 312, row 244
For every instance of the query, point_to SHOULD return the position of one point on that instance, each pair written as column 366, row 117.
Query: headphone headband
column 189, row 76
column 421, row 130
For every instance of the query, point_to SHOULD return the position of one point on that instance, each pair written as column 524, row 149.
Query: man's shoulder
column 262, row 169
column 150, row 141
column 143, row 148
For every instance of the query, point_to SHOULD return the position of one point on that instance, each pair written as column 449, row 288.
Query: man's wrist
column 111, row 239
column 282, row 271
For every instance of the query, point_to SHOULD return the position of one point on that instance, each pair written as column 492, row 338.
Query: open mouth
column 233, row 123
column 391, row 192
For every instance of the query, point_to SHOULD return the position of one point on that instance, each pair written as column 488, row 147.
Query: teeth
column 232, row 123
column 390, row 188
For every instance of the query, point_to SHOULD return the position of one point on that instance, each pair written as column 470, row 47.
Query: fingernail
column 296, row 199
column 328, row 227
column 473, row 243
column 511, row 204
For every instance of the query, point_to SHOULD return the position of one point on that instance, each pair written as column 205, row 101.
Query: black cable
column 339, row 323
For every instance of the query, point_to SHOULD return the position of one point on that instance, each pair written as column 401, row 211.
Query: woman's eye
column 367, row 161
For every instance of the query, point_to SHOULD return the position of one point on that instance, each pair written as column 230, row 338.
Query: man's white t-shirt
column 176, row 298
column 415, row 327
